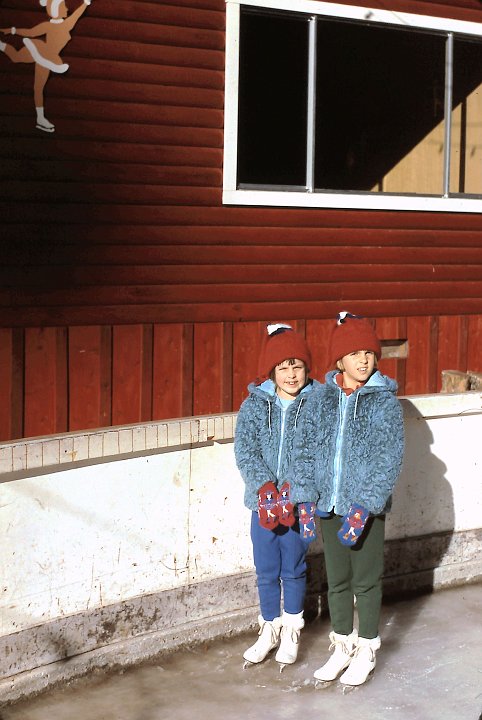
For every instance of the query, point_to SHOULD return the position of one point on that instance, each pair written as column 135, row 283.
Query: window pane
column 466, row 146
column 380, row 106
column 272, row 99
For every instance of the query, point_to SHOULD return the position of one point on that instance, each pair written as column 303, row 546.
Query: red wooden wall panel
column 474, row 344
column 131, row 374
column 393, row 329
column 208, row 377
column 129, row 292
column 45, row 381
column 105, row 202
column 422, row 365
column 6, row 382
column 387, row 328
column 246, row 346
column 317, row 335
column 58, row 379
column 172, row 371
column 452, row 345
column 89, row 377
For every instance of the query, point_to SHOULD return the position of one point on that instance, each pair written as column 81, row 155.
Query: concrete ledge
column 20, row 458
column 148, row 626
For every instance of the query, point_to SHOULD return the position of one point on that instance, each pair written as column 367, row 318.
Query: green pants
column 354, row 571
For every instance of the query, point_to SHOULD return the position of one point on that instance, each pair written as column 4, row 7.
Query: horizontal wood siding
column 127, row 290
column 116, row 218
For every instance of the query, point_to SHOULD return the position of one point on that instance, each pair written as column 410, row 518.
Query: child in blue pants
column 282, row 505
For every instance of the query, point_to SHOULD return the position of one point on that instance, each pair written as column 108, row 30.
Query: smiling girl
column 282, row 502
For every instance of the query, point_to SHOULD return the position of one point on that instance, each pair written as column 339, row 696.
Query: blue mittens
column 353, row 524
column 306, row 513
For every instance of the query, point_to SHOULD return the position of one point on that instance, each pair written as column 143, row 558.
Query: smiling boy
column 357, row 456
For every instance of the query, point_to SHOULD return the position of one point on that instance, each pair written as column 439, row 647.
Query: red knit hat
column 280, row 344
column 351, row 333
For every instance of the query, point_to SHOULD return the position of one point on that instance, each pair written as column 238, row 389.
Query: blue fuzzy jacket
column 259, row 456
column 353, row 444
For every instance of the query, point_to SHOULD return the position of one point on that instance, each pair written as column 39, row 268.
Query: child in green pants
column 357, row 426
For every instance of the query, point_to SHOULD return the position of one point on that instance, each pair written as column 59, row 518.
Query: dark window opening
column 379, row 92
column 379, row 115
column 272, row 99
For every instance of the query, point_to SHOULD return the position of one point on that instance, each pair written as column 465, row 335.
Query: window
column 338, row 106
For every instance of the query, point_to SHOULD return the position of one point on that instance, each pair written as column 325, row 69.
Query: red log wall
column 128, row 292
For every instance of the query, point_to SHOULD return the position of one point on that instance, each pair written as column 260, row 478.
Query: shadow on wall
column 422, row 520
column 422, row 524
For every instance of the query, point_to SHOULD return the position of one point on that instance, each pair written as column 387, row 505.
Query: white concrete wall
column 441, row 484
column 125, row 524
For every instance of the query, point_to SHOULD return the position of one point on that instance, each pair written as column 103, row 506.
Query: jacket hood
column 376, row 383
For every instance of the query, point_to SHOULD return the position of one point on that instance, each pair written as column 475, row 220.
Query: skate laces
column 364, row 650
column 272, row 630
column 340, row 645
column 293, row 633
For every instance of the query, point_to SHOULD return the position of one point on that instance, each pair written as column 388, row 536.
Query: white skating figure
column 45, row 53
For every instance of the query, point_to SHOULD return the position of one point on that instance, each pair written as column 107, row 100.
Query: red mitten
column 268, row 506
column 286, row 514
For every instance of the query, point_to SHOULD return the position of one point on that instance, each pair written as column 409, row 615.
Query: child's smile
column 290, row 379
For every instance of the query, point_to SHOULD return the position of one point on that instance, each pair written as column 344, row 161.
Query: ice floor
column 429, row 668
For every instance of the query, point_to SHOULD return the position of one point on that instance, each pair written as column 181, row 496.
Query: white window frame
column 319, row 199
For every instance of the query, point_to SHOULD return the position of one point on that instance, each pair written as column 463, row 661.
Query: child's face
column 290, row 379
column 357, row 367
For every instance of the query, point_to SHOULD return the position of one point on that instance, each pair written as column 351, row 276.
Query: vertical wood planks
column 474, row 344
column 452, row 345
column 54, row 380
column 131, row 374
column 247, row 337
column 12, row 391
column 387, row 329
column 18, row 380
column 393, row 329
column 172, row 371
column 318, row 336
column 45, row 399
column 208, row 368
column 422, row 335
column 89, row 377
column 227, row 360
column 6, row 362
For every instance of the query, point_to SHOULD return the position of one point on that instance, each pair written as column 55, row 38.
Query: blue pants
column 279, row 557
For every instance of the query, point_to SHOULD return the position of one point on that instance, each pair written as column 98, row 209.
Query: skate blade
column 247, row 664
column 45, row 129
column 322, row 684
column 349, row 688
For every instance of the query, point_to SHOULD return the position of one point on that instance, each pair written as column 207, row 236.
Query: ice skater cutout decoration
column 45, row 53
